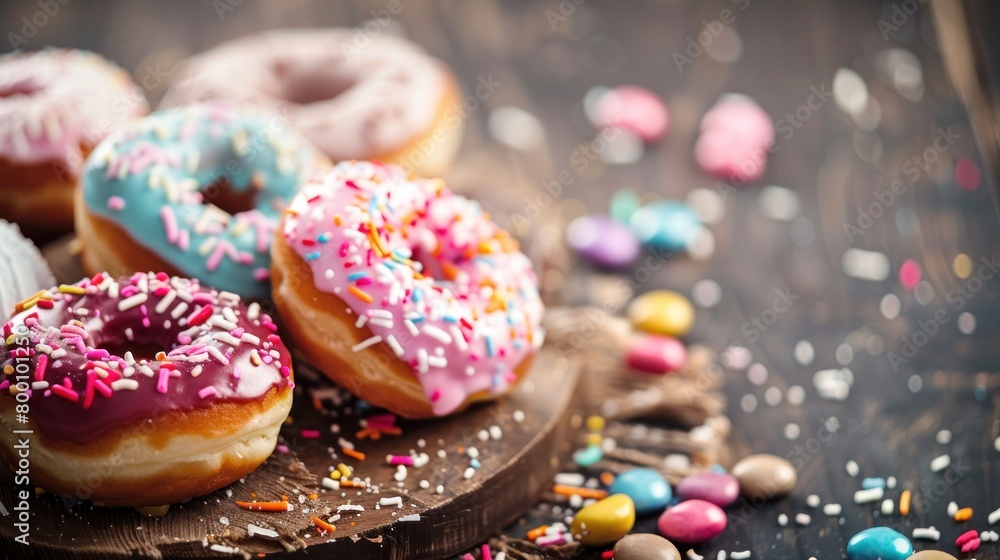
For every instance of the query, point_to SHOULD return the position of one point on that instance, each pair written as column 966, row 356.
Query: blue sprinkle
column 417, row 319
column 403, row 252
column 873, row 482
column 356, row 275
column 312, row 256
column 474, row 463
column 450, row 319
column 489, row 346
column 418, row 294
column 588, row 456
column 323, row 237
column 518, row 344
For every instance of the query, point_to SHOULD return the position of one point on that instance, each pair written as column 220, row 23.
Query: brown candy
column 764, row 475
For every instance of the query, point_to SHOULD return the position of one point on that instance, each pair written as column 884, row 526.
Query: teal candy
column 624, row 203
column 666, row 225
column 158, row 164
column 647, row 488
column 879, row 543
column 588, row 456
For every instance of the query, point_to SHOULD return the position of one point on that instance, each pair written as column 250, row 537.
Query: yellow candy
column 605, row 521
column 662, row 312
column 594, row 439
column 595, row 423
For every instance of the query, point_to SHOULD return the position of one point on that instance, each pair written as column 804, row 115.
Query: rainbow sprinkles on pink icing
column 85, row 380
column 435, row 281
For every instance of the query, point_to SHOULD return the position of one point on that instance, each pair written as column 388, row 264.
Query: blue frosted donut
column 159, row 178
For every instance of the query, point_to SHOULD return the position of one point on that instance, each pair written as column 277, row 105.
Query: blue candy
column 588, row 456
column 647, row 488
column 873, row 482
column 666, row 225
column 146, row 178
column 879, row 543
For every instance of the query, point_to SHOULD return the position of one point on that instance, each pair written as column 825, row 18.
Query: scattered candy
column 832, row 510
column 720, row 489
column 993, row 517
column 940, row 463
column 904, row 503
column 644, row 546
column 868, row 496
column 667, row 225
column 662, row 312
column 656, row 354
column 605, row 521
column 633, row 108
column 879, row 543
column 735, row 136
column 887, row 507
column 650, row 492
column 963, row 515
column 764, row 476
column 932, row 555
column 603, row 241
column 692, row 521
column 926, row 533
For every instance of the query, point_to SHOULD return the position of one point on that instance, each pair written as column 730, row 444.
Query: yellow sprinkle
column 67, row 289
column 360, row 294
column 8, row 369
column 344, row 470
column 594, row 439
column 485, row 247
column 595, row 423
column 962, row 265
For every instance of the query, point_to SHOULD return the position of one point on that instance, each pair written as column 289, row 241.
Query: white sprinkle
column 940, row 463
column 496, row 432
column 130, row 302
column 803, row 519
column 782, row 520
column 459, row 339
column 890, row 482
column 792, row 431
column 740, row 554
column 437, row 334
column 330, row 483
column 179, row 310
column 865, row 265
column 227, row 338
column 721, row 555
column 362, row 319
column 519, row 416
column 473, row 452
column 832, row 510
column 804, row 352
column 224, row 520
column 350, row 507
column 222, row 548
column 397, row 501
column 366, row 343
column 853, row 469
column 439, row 489
column 394, row 344
column 39, row 385
column 253, row 311
column 483, row 435
column 994, row 517
column 926, row 533
column 468, row 473
column 694, row 555
column 261, row 531
column 422, row 360
column 410, row 518
column 411, row 327
column 165, row 302
column 250, row 339
column 384, row 323
column 124, row 385
column 952, row 509
column 869, row 495
column 221, row 323
column 944, row 437
column 812, row 500
column 436, row 361
column 888, row 506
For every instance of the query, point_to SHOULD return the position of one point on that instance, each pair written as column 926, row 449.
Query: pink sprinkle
column 97, row 354
column 222, row 247
column 487, row 553
column 282, row 448
column 170, row 224
column 116, row 203
column 972, row 545
column 310, row 434
column 65, row 393
column 436, row 395
column 285, row 371
column 966, row 537
column 967, row 174
column 635, row 109
column 103, row 388
column 206, row 392
column 909, row 274
column 43, row 362
column 261, row 274
column 382, row 418
column 4, row 385
column 161, row 383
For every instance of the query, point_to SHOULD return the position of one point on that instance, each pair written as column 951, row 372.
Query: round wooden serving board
column 535, row 438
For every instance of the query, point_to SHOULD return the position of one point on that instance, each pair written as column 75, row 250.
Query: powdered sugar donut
column 143, row 390
column 405, row 294
column 384, row 99
column 55, row 106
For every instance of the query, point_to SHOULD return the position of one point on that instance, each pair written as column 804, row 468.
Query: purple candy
column 603, row 241
column 693, row 522
column 656, row 354
column 720, row 489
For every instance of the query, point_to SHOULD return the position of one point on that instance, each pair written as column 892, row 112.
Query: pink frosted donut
column 736, row 135
column 376, row 98
column 55, row 106
column 404, row 293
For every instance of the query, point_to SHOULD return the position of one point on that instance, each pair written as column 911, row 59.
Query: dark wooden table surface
column 545, row 65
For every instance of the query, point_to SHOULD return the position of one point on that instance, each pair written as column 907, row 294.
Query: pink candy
column 692, row 521
column 635, row 109
column 735, row 136
column 656, row 354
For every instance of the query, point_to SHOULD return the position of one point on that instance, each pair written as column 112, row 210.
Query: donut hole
column 303, row 84
column 139, row 351
column 222, row 194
